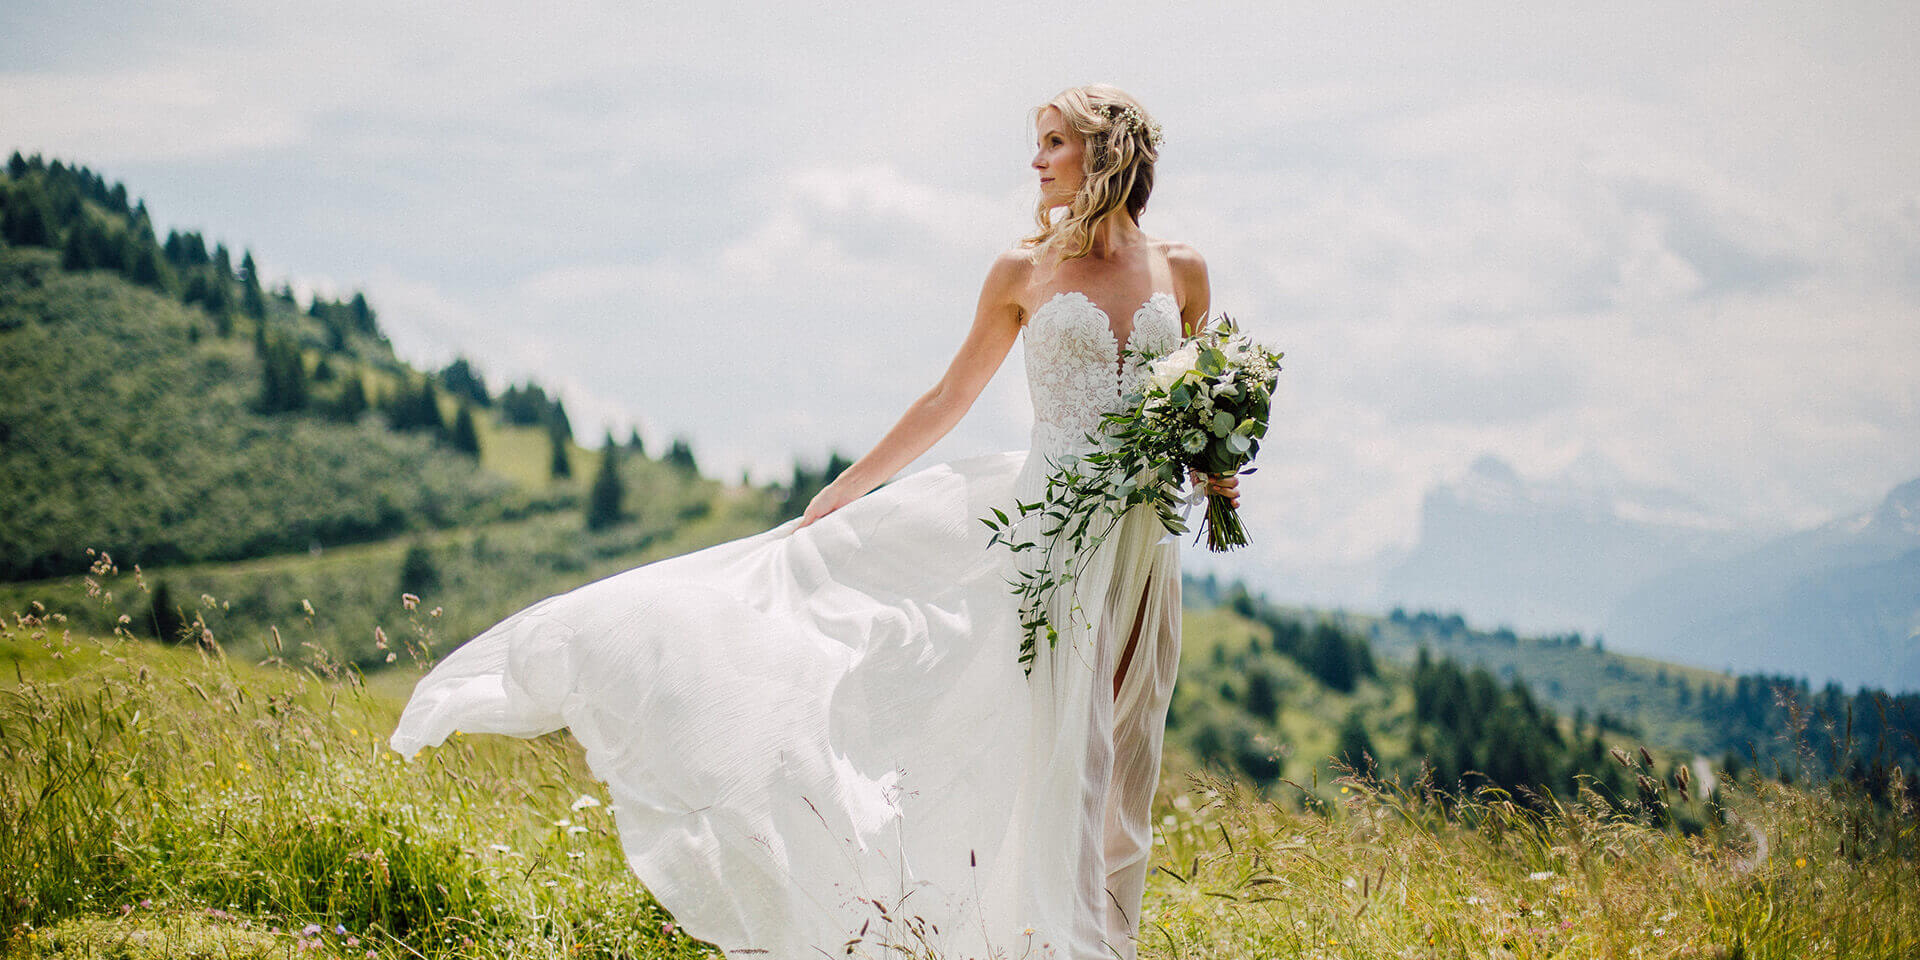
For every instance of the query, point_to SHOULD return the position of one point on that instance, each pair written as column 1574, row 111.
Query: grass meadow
column 181, row 801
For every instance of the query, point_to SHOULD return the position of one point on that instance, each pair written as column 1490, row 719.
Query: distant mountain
column 1553, row 555
column 1840, row 602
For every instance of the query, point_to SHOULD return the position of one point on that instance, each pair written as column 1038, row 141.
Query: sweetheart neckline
column 1133, row 322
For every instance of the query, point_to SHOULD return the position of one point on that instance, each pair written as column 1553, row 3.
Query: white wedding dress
column 813, row 732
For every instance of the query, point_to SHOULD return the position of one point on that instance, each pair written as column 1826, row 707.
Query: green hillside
column 160, row 404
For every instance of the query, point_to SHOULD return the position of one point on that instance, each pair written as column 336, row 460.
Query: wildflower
column 1800, row 861
column 585, row 801
column 379, row 638
column 1540, row 875
column 499, row 848
column 409, row 601
column 146, row 903
column 667, row 927
column 310, row 930
column 340, row 929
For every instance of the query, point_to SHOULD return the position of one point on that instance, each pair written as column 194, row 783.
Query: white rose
column 1167, row 371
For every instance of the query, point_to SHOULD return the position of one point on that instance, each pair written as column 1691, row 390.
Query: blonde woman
column 822, row 735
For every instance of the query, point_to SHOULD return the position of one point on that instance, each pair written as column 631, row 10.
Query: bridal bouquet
column 1202, row 407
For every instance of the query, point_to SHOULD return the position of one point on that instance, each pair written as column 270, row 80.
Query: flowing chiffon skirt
column 809, row 733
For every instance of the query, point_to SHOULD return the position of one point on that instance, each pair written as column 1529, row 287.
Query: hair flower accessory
column 1128, row 116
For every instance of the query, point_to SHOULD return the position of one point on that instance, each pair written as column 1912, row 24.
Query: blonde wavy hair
column 1122, row 143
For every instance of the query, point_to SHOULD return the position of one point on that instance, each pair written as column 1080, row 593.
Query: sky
column 1675, row 244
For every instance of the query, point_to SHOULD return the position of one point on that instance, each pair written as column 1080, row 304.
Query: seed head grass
column 173, row 801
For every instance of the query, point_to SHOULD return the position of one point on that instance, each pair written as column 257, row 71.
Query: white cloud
column 119, row 116
column 1684, row 243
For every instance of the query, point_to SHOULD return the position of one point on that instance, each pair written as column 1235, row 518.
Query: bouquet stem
column 1224, row 529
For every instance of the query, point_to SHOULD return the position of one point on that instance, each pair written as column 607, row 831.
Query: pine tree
column 78, row 252
column 283, row 377
column 417, row 572
column 558, row 463
column 466, row 439
column 634, row 444
column 1330, row 657
column 27, row 219
column 164, row 617
column 603, row 503
column 680, row 454
column 148, row 269
column 1355, row 746
column 352, row 401
column 463, row 381
column 1263, row 699
column 363, row 317
column 253, row 300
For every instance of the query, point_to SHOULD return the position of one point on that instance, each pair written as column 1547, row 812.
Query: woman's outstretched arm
column 996, row 324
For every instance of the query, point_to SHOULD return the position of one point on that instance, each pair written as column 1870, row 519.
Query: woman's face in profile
column 1059, row 158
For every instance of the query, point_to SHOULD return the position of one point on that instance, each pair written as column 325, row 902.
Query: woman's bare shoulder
column 1008, row 278
column 1183, row 258
column 1189, row 278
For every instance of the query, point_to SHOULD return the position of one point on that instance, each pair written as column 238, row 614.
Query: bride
column 820, row 740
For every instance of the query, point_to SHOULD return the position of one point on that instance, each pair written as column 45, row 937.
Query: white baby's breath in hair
column 1127, row 117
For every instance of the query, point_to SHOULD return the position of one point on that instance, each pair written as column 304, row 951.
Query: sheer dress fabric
column 809, row 731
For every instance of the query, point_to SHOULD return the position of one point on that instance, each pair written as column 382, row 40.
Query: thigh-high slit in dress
column 814, row 731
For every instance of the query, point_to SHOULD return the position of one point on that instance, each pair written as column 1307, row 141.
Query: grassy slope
column 207, row 807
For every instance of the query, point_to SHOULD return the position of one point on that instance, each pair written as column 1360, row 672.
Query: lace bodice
column 1074, row 369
